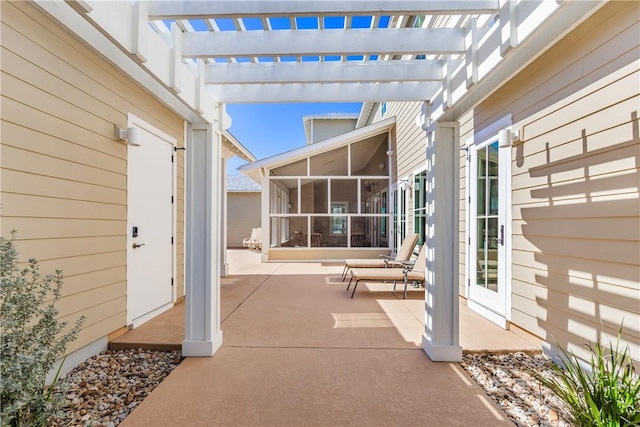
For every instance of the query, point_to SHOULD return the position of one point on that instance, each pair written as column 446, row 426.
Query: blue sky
column 270, row 129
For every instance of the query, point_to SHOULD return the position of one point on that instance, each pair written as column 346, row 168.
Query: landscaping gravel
column 507, row 379
column 104, row 389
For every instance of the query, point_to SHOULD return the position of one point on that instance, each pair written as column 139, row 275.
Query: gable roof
column 260, row 167
column 242, row 184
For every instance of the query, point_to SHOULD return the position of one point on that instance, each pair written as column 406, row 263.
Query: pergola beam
column 413, row 41
column 324, row 72
column 270, row 8
column 330, row 92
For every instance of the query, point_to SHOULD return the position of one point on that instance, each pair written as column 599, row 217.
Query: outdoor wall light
column 405, row 185
column 508, row 137
column 131, row 135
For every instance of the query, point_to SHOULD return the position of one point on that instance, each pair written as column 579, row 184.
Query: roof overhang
column 234, row 147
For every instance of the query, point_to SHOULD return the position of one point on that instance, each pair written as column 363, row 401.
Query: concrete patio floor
column 298, row 351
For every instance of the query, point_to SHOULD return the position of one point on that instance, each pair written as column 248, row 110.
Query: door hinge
column 172, row 281
column 172, row 240
column 469, row 240
column 171, row 199
column 172, row 158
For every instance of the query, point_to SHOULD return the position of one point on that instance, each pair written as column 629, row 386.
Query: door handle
column 501, row 238
column 135, row 245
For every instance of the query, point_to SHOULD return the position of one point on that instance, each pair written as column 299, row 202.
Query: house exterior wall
column 576, row 257
column 575, row 211
column 64, row 176
column 322, row 129
column 410, row 145
column 243, row 214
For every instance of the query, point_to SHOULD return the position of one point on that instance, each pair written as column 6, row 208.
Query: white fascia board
column 494, row 72
column 365, row 112
column 236, row 147
column 108, row 29
column 322, row 146
column 329, row 92
column 323, row 72
column 324, row 42
column 271, row 8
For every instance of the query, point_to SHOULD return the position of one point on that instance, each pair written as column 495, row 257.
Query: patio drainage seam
column 243, row 301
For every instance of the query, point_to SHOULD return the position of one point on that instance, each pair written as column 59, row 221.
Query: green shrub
column 31, row 339
column 607, row 394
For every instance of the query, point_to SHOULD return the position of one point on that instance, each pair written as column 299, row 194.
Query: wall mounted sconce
column 131, row 135
column 405, row 185
column 508, row 137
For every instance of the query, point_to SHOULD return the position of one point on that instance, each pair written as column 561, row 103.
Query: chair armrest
column 387, row 257
column 408, row 265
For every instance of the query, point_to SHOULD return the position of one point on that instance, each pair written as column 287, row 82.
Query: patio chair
column 255, row 241
column 384, row 261
column 316, row 240
column 412, row 271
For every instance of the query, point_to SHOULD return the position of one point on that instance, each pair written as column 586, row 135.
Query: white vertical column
column 203, row 336
column 224, row 263
column 440, row 340
column 265, row 197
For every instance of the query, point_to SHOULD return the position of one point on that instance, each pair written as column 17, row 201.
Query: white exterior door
column 489, row 233
column 150, row 213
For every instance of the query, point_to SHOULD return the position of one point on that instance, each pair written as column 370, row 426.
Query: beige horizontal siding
column 575, row 184
column 64, row 183
column 466, row 132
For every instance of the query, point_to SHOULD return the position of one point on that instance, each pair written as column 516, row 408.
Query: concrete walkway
column 298, row 351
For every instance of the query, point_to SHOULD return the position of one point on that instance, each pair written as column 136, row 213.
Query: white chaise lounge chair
column 413, row 271
column 255, row 241
column 383, row 261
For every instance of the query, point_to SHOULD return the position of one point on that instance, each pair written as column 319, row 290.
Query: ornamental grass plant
column 32, row 339
column 607, row 393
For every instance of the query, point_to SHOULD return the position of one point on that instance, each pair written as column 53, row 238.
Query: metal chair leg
column 354, row 288
column 406, row 282
column 349, row 282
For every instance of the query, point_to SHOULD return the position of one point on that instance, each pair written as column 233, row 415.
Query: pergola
column 196, row 56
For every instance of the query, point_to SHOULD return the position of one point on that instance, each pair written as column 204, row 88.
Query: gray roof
column 242, row 184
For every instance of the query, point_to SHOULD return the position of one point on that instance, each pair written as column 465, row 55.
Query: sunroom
column 330, row 199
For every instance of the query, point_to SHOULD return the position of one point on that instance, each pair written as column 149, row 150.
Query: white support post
column 440, row 340
column 508, row 26
column 200, row 86
column 203, row 336
column 265, row 196
column 224, row 263
column 139, row 30
column 176, row 58
column 447, row 85
column 471, row 39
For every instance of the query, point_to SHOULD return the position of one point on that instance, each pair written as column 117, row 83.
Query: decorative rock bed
column 104, row 389
column 507, row 379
